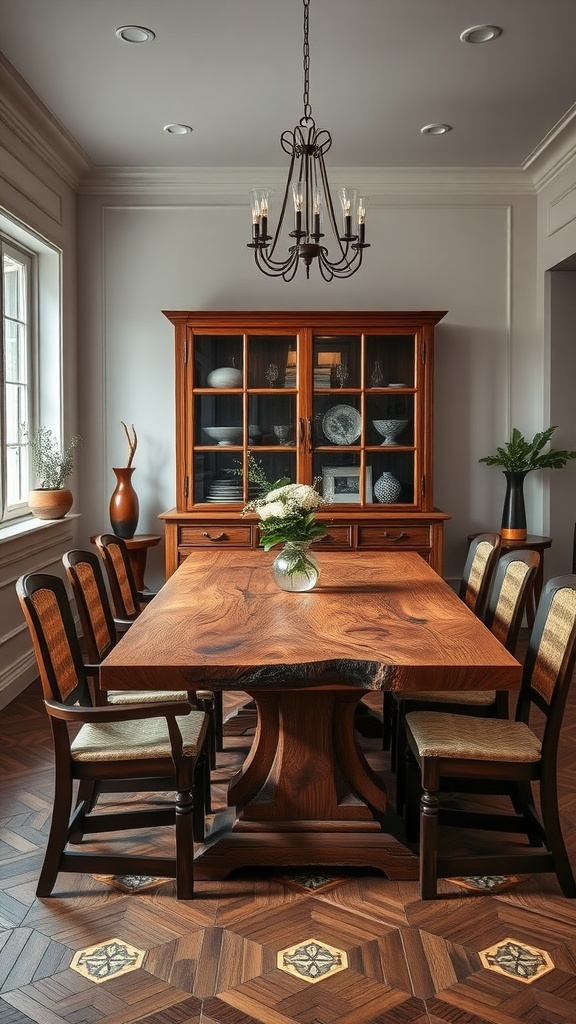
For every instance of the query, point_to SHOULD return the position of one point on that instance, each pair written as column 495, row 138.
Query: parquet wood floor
column 214, row 960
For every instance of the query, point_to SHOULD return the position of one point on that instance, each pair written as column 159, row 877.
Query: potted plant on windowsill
column 517, row 458
column 51, row 499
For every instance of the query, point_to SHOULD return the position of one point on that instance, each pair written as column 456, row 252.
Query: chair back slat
column 47, row 611
column 84, row 571
column 478, row 570
column 550, row 658
column 123, row 588
column 513, row 583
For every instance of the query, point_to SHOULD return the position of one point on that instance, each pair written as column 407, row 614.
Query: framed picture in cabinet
column 342, row 484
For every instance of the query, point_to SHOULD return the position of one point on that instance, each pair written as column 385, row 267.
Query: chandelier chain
column 306, row 54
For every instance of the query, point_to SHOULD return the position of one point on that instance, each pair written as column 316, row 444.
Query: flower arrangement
column 52, row 464
column 287, row 515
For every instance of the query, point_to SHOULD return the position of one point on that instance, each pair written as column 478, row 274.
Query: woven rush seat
column 120, row 741
column 476, row 739
column 148, row 696
column 469, row 697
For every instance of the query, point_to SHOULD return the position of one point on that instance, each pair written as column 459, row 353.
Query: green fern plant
column 521, row 456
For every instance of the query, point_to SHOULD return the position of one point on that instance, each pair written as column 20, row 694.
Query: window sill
column 12, row 531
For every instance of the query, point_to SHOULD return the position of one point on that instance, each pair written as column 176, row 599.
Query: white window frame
column 45, row 347
column 25, row 321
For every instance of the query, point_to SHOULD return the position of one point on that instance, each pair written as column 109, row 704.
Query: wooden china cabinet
column 344, row 397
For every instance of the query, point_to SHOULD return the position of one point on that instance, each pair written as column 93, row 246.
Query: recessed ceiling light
column 436, row 129
column 135, row 34
column 480, row 34
column 177, row 129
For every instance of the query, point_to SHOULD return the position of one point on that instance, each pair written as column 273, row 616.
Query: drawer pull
column 221, row 536
column 399, row 536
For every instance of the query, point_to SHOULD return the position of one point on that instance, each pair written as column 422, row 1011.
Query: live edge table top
column 376, row 621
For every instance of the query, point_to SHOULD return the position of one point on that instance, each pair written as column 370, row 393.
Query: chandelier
column 308, row 187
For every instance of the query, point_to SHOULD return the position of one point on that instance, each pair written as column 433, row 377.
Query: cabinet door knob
column 399, row 536
column 220, row 536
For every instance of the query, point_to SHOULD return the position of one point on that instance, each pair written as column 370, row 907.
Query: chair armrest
column 118, row 712
column 122, row 625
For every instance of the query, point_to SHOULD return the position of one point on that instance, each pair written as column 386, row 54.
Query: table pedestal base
column 305, row 795
column 284, row 844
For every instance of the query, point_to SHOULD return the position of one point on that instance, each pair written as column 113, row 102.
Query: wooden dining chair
column 99, row 634
column 448, row 748
column 128, row 604
column 511, row 590
column 95, row 745
column 474, row 589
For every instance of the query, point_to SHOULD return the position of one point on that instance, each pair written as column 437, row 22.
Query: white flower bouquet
column 287, row 515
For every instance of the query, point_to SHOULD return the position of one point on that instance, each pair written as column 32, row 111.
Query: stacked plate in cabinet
column 225, row 490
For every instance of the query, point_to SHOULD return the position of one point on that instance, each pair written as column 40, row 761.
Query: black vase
column 514, row 512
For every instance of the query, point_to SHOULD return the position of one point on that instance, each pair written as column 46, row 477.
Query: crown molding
column 230, row 185
column 554, row 153
column 32, row 122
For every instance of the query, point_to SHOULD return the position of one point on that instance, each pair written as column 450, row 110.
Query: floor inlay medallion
column 517, row 960
column 486, row 883
column 312, row 881
column 132, row 883
column 107, row 960
column 312, row 960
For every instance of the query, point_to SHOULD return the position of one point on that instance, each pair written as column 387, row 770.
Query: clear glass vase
column 296, row 568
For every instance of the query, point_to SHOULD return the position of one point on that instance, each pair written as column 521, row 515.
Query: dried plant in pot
column 52, row 465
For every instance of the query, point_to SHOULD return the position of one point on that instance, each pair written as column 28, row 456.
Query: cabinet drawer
column 335, row 537
column 213, row 534
column 399, row 535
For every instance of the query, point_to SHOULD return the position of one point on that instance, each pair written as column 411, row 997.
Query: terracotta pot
column 124, row 505
column 50, row 504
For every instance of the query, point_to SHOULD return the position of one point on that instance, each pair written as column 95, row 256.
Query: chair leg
column 387, row 711
column 428, row 854
column 184, row 845
column 219, row 719
column 402, row 756
column 413, row 791
column 554, row 837
column 88, row 793
column 199, row 789
column 58, row 835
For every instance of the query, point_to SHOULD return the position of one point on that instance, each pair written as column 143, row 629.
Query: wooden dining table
column 306, row 794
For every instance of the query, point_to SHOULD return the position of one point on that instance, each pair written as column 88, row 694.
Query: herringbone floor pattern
column 214, row 960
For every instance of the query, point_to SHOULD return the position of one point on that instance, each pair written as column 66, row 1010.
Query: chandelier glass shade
column 307, row 206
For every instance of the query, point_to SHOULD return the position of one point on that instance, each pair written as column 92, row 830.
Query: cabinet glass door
column 365, row 418
column 244, row 399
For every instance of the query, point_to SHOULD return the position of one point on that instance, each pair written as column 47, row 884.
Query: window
column 17, row 397
column 31, row 362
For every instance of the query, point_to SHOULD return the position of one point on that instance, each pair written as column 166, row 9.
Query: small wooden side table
column 138, row 552
column 532, row 543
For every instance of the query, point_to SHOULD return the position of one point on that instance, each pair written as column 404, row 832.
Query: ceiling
column 232, row 69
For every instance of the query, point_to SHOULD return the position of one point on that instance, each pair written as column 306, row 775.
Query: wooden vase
column 124, row 505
